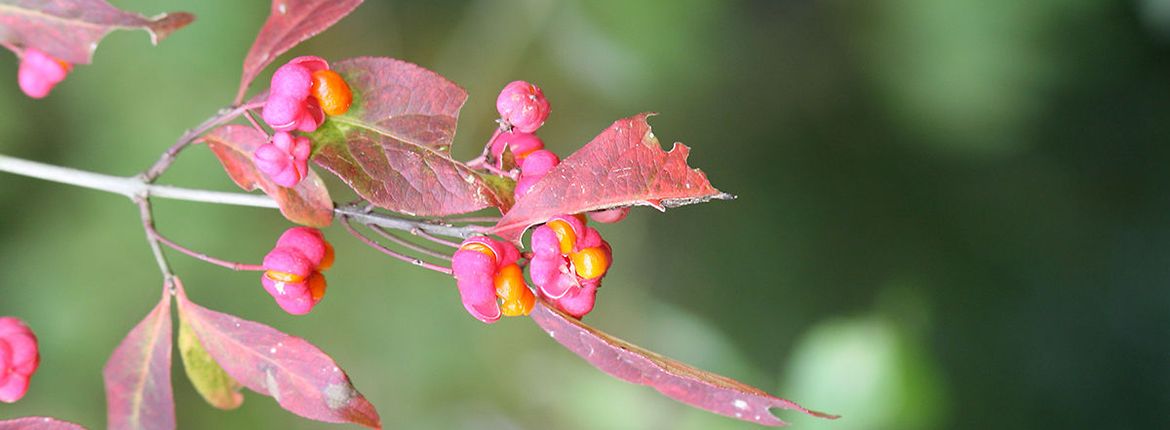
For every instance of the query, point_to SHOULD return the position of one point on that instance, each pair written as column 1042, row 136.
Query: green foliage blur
column 951, row 214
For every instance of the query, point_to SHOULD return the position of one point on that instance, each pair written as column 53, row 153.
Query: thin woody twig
column 347, row 222
column 408, row 244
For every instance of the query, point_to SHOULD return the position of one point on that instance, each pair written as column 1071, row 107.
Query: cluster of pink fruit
column 302, row 92
column 19, row 358
column 568, row 258
column 567, row 263
column 523, row 109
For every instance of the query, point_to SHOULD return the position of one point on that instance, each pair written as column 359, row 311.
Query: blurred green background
column 951, row 214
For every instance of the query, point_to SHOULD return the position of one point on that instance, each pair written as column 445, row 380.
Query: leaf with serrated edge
column 630, row 363
column 623, row 166
column 38, row 423
column 70, row 30
column 289, row 23
column 307, row 203
column 138, row 374
column 300, row 377
column 215, row 385
column 393, row 145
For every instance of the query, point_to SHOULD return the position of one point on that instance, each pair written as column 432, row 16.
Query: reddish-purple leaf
column 138, row 375
column 71, row 29
column 289, row 23
column 307, row 203
column 38, row 423
column 623, row 166
column 302, row 378
column 393, row 146
column 628, row 362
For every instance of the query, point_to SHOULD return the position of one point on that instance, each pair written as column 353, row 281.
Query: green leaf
column 209, row 379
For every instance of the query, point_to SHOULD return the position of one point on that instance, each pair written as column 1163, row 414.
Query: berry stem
column 144, row 212
column 362, row 216
column 152, row 231
column 423, row 234
column 408, row 244
column 348, row 223
column 251, row 116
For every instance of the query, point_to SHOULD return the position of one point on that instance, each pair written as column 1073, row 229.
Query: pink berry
column 292, row 297
column 309, row 241
column 311, row 117
column 522, row 106
column 535, row 166
column 39, row 73
column 519, row 143
column 19, row 358
column 286, row 160
column 291, row 80
column 288, row 261
column 282, row 112
column 475, row 266
column 549, row 275
column 474, row 273
column 579, row 301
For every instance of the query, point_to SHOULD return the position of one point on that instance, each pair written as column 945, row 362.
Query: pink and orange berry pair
column 19, row 358
column 39, row 73
column 568, row 262
column 301, row 94
column 293, row 269
column 490, row 282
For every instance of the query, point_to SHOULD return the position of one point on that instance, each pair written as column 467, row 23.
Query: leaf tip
column 162, row 25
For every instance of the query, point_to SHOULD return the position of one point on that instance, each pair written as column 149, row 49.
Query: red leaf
column 38, row 423
column 393, row 146
column 138, row 374
column 290, row 23
column 302, row 379
column 307, row 203
column 623, row 166
column 71, row 29
column 628, row 362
